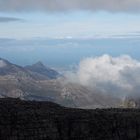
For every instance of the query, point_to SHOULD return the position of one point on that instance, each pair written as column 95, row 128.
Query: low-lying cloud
column 9, row 19
column 119, row 76
column 62, row 5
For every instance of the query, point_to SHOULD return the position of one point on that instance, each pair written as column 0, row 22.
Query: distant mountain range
column 34, row 70
column 38, row 82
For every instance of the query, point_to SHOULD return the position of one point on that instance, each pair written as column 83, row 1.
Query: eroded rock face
column 26, row 120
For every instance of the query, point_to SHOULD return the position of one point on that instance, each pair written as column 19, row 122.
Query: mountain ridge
column 43, row 70
column 20, row 82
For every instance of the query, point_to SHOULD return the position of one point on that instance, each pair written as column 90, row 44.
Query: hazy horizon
column 65, row 53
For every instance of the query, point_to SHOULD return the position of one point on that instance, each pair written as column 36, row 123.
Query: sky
column 62, row 32
column 78, row 24
column 24, row 19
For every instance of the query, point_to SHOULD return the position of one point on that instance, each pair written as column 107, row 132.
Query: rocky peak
column 40, row 68
column 39, row 64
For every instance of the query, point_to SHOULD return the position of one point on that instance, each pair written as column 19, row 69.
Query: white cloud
column 110, row 75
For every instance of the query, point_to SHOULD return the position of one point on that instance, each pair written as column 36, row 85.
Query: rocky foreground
column 31, row 120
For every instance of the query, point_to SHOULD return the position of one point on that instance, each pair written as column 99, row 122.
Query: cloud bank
column 62, row 5
column 119, row 76
column 9, row 19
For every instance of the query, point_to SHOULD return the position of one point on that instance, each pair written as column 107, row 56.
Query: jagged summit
column 39, row 63
column 40, row 68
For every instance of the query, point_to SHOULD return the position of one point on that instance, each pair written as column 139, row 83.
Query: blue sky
column 63, row 32
column 77, row 24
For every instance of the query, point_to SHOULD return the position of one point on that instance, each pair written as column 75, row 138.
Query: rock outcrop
column 31, row 120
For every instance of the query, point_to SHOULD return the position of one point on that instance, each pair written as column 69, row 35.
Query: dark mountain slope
column 26, row 120
column 7, row 68
column 42, row 70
